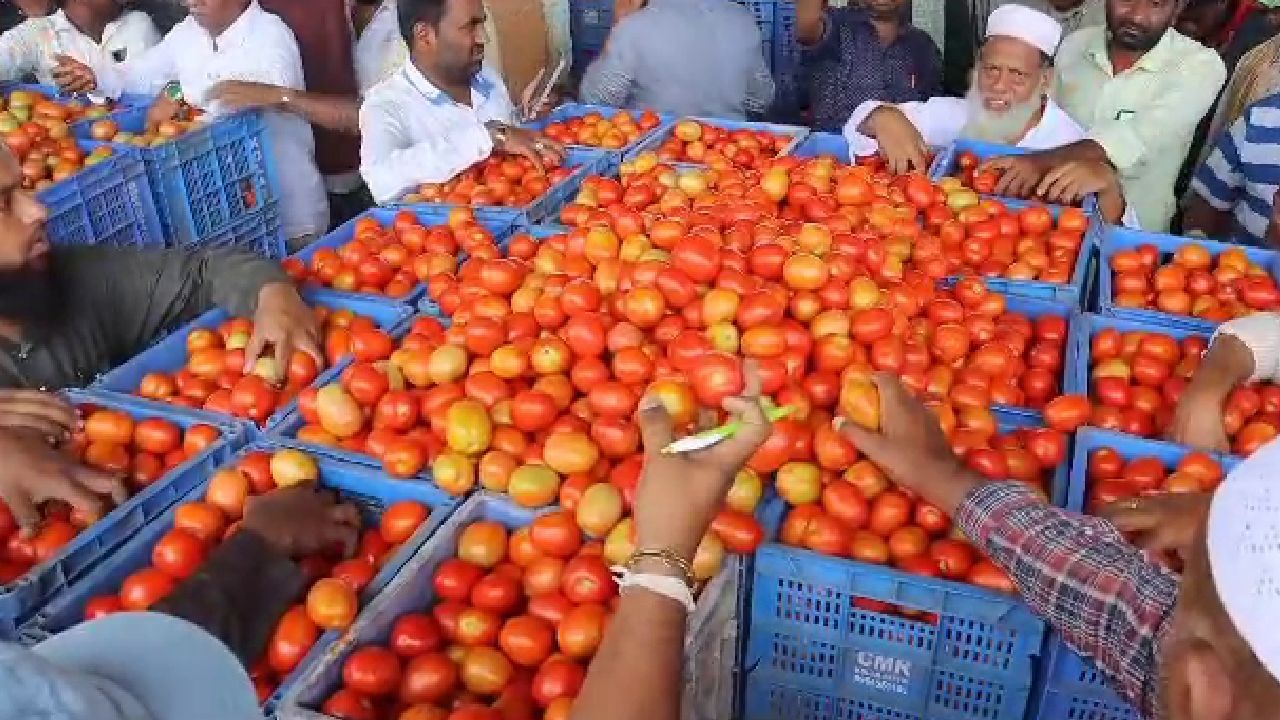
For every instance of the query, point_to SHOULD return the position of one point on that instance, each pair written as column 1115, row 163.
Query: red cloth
column 1243, row 10
column 323, row 30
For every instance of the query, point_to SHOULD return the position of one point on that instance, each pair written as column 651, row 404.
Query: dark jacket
column 119, row 301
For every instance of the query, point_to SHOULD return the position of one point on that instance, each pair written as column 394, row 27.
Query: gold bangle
column 668, row 557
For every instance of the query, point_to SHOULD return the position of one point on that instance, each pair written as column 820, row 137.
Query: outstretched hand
column 680, row 494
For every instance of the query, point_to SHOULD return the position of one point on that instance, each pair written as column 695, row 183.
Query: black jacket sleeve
column 238, row 595
column 138, row 295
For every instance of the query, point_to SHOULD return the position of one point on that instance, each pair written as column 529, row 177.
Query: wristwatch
column 173, row 91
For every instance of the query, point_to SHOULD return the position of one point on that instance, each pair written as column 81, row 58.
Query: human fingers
column 36, row 423
column 748, row 411
column 345, row 513
column 529, row 152
column 996, row 164
column 1051, row 180
column 101, row 483
column 253, row 351
column 1131, row 515
column 307, row 340
column 23, row 510
column 61, row 486
column 656, row 430
column 38, row 402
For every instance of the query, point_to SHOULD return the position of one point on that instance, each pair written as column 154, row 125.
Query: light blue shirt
column 1242, row 173
column 684, row 57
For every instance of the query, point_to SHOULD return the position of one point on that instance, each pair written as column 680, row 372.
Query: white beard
column 1006, row 127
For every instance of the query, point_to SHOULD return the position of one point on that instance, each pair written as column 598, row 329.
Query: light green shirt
column 1145, row 117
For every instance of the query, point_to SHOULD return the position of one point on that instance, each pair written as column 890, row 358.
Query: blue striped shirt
column 1243, row 171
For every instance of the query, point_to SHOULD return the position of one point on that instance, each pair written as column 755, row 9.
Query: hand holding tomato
column 33, row 472
column 1165, row 523
column 911, row 447
column 303, row 519
column 1019, row 174
column 1198, row 420
column 46, row 413
column 284, row 321
column 900, row 142
column 680, row 494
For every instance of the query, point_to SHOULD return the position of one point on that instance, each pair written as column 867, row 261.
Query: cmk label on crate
column 883, row 673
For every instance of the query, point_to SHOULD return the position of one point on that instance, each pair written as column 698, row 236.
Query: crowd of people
column 364, row 101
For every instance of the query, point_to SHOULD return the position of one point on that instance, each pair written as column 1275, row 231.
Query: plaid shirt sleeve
column 1080, row 575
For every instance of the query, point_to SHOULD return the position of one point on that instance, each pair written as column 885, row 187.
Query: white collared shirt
column 380, row 49
column 30, row 47
column 411, row 132
column 257, row 47
column 940, row 121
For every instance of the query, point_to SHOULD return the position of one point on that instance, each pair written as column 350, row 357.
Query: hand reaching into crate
column 302, row 520
column 38, row 411
column 33, row 472
column 285, row 322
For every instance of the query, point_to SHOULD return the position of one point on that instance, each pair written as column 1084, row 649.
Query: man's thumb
column 655, row 424
column 868, row 442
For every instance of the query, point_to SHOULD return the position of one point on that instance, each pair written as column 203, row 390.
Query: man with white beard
column 1008, row 101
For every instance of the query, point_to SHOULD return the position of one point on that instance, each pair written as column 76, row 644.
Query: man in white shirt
column 91, row 31
column 228, row 40
column 1008, row 101
column 443, row 110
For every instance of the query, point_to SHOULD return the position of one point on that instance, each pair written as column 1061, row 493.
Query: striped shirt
column 1243, row 171
column 684, row 57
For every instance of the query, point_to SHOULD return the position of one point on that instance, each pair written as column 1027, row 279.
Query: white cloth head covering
column 1023, row 23
column 1244, row 551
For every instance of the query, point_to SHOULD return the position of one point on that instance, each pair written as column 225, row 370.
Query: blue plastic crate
column 260, row 232
column 1089, row 439
column 1116, row 239
column 502, row 222
column 170, row 354
column 821, row 143
column 109, row 203
column 795, row 132
column 1072, row 293
column 1080, row 343
column 372, row 491
column 411, row 591
column 813, row 655
column 1035, row 308
column 583, row 161
column 209, row 179
column 1074, row 689
column 568, row 111
column 50, row 580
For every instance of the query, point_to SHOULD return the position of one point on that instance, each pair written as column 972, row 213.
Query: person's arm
column 904, row 133
column 611, row 77
column 637, row 673
column 1243, row 350
column 146, row 292
column 1077, row 572
column 1217, row 184
column 332, row 112
column 822, row 39
column 250, row 580
column 811, row 18
column 393, row 162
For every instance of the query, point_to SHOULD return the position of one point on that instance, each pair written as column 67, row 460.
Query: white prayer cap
column 1023, row 23
column 1244, row 551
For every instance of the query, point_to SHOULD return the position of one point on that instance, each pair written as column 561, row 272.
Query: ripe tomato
column 372, row 671
column 954, row 558
column 401, row 520
column 158, row 436
column 889, row 511
column 496, row 592
column 101, row 606
column 429, row 678
column 586, row 579
column 556, row 535
column 143, row 588
column 557, row 678
column 347, row 704
column 179, row 553
column 580, row 632
column 415, row 634
column 741, row 533
column 527, row 640
column 455, row 578
column 293, row 638
column 1066, row 413
column 483, row 543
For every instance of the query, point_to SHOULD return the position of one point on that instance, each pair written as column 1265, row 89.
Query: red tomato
column 586, row 579
column 372, row 671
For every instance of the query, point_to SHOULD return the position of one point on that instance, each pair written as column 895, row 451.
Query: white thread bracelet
column 664, row 585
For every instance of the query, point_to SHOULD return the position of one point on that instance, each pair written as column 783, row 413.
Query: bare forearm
column 809, row 20
column 332, row 112
column 1111, row 204
column 637, row 673
column 1228, row 363
column 1200, row 215
column 1080, row 151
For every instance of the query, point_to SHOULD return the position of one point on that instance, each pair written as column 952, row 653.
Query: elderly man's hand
column 1019, row 174
column 680, row 494
column 901, row 144
column 285, row 322
column 33, row 472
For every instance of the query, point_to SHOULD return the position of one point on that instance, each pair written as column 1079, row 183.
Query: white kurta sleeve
column 392, row 162
column 1260, row 333
column 19, row 51
column 938, row 119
